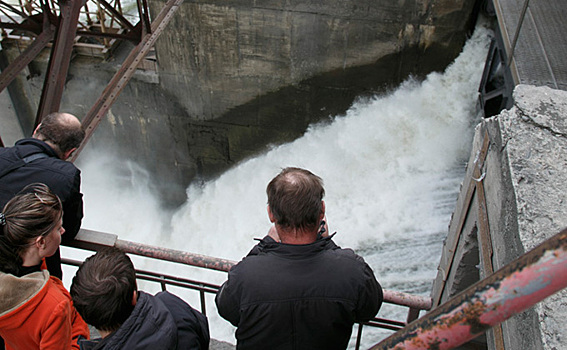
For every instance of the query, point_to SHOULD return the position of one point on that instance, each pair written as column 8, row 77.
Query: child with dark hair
column 105, row 293
column 36, row 311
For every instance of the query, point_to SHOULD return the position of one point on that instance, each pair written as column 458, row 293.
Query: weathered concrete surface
column 226, row 53
column 534, row 132
column 234, row 77
column 524, row 178
column 10, row 128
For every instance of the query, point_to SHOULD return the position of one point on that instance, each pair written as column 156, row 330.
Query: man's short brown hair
column 295, row 198
column 55, row 128
column 103, row 288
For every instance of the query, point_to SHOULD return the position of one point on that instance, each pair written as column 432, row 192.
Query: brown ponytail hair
column 32, row 213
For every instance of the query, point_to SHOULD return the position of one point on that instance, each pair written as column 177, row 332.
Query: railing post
column 413, row 314
column 358, row 336
column 203, row 303
column 163, row 285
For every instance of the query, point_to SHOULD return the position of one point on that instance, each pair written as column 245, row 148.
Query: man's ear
column 270, row 215
column 35, row 132
column 322, row 215
column 134, row 298
column 67, row 154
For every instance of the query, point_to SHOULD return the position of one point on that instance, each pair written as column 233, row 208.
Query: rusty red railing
column 512, row 289
column 94, row 240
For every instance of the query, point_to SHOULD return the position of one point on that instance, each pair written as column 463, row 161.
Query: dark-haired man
column 105, row 294
column 42, row 158
column 297, row 289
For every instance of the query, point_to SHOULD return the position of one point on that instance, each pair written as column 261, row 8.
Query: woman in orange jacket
column 36, row 311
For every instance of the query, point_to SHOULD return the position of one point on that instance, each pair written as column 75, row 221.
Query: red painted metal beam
column 60, row 58
column 31, row 52
column 31, row 28
column 509, row 291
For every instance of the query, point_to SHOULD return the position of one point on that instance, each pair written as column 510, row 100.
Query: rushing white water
column 391, row 166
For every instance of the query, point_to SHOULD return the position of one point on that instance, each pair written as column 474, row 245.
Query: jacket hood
column 16, row 292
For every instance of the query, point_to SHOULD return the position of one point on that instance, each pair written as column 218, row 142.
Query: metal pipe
column 514, row 288
column 174, row 255
column 409, row 300
column 95, row 240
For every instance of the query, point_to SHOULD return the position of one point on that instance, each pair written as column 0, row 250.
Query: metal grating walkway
column 540, row 53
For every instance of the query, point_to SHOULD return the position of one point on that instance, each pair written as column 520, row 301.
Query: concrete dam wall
column 235, row 76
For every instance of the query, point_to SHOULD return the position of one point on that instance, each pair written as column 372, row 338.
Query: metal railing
column 94, row 240
column 514, row 288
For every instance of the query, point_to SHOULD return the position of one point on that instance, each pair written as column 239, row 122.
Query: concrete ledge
column 534, row 133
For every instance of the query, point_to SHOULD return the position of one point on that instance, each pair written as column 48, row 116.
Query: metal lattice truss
column 101, row 23
column 79, row 26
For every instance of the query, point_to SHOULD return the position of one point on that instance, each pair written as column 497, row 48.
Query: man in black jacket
column 297, row 289
column 105, row 294
column 42, row 158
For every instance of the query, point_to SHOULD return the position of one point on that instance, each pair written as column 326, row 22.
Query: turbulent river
column 392, row 166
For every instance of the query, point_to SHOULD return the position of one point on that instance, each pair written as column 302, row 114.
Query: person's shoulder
column 258, row 250
column 180, row 309
column 56, row 173
column 56, row 163
column 345, row 253
column 172, row 302
column 57, row 291
column 167, row 298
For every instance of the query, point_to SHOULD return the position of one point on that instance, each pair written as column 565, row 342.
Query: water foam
column 391, row 166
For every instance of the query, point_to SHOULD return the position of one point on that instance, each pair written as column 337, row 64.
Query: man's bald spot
column 68, row 119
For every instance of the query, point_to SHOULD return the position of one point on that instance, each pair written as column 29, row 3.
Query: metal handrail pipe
column 95, row 240
column 216, row 287
column 512, row 289
column 162, row 278
column 177, row 283
column 177, row 256
column 409, row 300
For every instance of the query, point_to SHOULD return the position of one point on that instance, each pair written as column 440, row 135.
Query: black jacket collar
column 269, row 245
column 31, row 146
